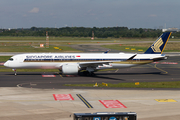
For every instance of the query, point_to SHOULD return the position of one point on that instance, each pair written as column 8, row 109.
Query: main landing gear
column 87, row 73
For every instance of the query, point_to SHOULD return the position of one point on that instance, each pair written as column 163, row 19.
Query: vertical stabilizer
column 158, row 46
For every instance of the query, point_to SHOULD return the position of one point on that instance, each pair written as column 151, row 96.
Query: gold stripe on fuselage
column 72, row 61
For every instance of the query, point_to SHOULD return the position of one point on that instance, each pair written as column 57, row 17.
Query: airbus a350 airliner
column 72, row 63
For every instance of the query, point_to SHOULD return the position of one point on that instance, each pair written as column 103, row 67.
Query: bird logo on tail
column 157, row 45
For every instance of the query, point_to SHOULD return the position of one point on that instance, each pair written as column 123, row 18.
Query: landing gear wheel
column 92, row 74
column 87, row 73
column 15, row 72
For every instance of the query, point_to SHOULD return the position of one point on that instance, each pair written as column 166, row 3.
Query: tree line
column 105, row 32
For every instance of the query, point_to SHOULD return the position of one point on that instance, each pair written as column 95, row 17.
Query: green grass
column 170, row 47
column 4, row 58
column 36, row 49
column 43, row 38
column 28, row 44
column 175, row 84
column 32, row 38
column 123, row 48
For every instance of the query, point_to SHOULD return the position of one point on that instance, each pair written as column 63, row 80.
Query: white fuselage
column 57, row 60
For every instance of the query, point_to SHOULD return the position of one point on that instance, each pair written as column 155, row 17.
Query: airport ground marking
column 112, row 104
column 165, row 100
column 155, row 66
column 160, row 69
column 63, row 97
column 1, row 64
column 84, row 101
column 117, row 70
column 48, row 76
column 60, row 75
column 169, row 63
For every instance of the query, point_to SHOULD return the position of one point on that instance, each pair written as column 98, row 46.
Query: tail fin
column 158, row 46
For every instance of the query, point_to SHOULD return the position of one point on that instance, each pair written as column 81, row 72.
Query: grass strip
column 4, row 58
column 171, row 47
column 173, row 84
column 36, row 49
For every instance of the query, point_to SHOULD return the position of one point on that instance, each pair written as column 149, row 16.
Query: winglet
column 158, row 46
column 107, row 51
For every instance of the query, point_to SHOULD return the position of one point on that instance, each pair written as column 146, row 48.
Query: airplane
column 73, row 63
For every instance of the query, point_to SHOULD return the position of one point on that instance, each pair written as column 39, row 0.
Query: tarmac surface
column 30, row 95
column 166, row 70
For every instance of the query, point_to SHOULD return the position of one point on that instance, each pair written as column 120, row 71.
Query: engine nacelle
column 70, row 69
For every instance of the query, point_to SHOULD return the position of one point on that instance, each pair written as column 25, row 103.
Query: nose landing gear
column 15, row 72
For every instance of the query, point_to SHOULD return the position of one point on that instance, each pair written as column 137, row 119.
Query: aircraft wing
column 96, row 63
column 93, row 64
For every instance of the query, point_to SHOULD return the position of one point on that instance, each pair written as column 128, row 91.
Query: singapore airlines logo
column 157, row 45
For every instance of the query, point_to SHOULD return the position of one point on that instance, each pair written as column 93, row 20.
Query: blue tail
column 158, row 46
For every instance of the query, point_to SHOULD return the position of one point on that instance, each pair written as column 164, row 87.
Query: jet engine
column 70, row 69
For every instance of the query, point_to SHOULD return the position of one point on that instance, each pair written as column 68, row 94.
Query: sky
column 90, row 13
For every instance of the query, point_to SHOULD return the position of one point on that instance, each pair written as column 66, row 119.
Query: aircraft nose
column 6, row 64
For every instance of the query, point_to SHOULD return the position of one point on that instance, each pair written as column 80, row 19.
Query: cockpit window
column 11, row 59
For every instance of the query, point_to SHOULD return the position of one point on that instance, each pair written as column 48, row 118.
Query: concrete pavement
column 32, row 104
